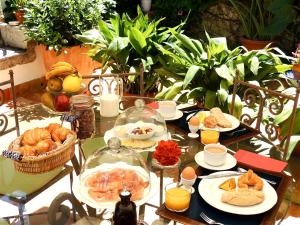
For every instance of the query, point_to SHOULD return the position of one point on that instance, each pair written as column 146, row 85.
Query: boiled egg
column 194, row 121
column 188, row 173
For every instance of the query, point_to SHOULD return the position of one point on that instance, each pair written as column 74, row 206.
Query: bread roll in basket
column 47, row 161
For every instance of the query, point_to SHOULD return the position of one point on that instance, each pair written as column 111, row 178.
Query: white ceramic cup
column 215, row 158
column 167, row 108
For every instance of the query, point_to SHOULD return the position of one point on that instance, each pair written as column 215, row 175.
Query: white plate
column 177, row 116
column 234, row 121
column 211, row 193
column 110, row 133
column 84, row 197
column 230, row 162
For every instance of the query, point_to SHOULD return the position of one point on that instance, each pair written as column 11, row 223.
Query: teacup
column 215, row 154
column 167, row 108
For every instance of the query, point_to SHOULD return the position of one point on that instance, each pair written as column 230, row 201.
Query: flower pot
column 254, row 44
column 296, row 71
column 20, row 15
column 146, row 5
column 76, row 56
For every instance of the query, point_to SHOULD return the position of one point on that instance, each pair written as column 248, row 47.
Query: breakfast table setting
column 199, row 162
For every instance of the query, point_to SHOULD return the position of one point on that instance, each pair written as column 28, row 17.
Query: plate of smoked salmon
column 99, row 187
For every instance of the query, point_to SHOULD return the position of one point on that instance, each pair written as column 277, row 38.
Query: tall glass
column 178, row 197
column 209, row 136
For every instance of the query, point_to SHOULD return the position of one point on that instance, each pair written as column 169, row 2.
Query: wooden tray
column 266, row 218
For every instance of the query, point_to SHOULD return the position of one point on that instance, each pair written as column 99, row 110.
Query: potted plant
column 53, row 24
column 20, row 10
column 14, row 10
column 263, row 20
column 123, row 44
column 205, row 71
column 296, row 63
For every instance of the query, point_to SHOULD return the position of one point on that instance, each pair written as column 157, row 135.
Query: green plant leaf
column 293, row 142
column 116, row 23
column 161, row 95
column 254, row 65
column 223, row 92
column 224, row 72
column 190, row 75
column 106, row 33
column 197, row 93
column 173, row 92
column 284, row 115
column 186, row 42
column 137, row 40
column 118, row 43
column 238, row 106
column 286, row 125
column 210, row 99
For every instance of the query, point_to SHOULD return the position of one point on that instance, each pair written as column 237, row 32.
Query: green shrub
column 55, row 22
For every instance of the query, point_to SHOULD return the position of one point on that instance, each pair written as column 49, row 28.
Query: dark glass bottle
column 125, row 211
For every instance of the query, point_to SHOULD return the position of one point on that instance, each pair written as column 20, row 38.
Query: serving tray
column 198, row 205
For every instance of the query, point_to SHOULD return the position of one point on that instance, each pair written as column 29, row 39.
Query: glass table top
column 37, row 115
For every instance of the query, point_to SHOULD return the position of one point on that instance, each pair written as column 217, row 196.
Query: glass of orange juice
column 209, row 136
column 178, row 197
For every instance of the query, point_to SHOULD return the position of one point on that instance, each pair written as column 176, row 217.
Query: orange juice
column 178, row 199
column 209, row 136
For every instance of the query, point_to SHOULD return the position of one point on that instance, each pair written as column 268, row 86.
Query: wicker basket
column 47, row 162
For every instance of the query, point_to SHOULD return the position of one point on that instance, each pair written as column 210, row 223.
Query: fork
column 209, row 220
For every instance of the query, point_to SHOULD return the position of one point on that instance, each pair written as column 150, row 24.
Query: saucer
column 177, row 116
column 230, row 162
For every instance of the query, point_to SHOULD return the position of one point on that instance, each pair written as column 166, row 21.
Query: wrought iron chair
column 20, row 199
column 4, row 120
column 94, row 87
column 267, row 101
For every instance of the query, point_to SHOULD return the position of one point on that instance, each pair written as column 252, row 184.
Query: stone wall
column 222, row 20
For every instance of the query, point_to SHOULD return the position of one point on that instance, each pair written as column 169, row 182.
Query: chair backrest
column 94, row 86
column 269, row 102
column 4, row 118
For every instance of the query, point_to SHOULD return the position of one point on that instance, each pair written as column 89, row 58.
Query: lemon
column 72, row 83
column 201, row 116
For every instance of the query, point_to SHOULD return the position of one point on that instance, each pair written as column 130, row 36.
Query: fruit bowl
column 82, row 89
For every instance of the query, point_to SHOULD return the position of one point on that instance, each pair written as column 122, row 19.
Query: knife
column 229, row 174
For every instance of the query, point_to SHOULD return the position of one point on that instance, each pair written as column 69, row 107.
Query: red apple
column 62, row 103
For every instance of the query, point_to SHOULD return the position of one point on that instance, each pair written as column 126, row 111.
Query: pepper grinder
column 125, row 211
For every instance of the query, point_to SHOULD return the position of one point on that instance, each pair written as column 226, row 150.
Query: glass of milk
column 111, row 90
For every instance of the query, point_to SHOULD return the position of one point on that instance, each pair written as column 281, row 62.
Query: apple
column 62, row 103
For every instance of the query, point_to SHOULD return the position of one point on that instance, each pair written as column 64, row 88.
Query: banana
column 59, row 71
column 61, row 63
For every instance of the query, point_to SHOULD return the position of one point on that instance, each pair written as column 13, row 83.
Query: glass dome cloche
column 109, row 171
column 140, row 127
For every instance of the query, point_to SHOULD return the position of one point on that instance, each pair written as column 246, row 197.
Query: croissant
column 44, row 146
column 250, row 179
column 52, row 126
column 27, row 150
column 32, row 137
column 60, row 134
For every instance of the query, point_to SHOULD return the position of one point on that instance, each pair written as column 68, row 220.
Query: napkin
column 260, row 161
column 153, row 105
